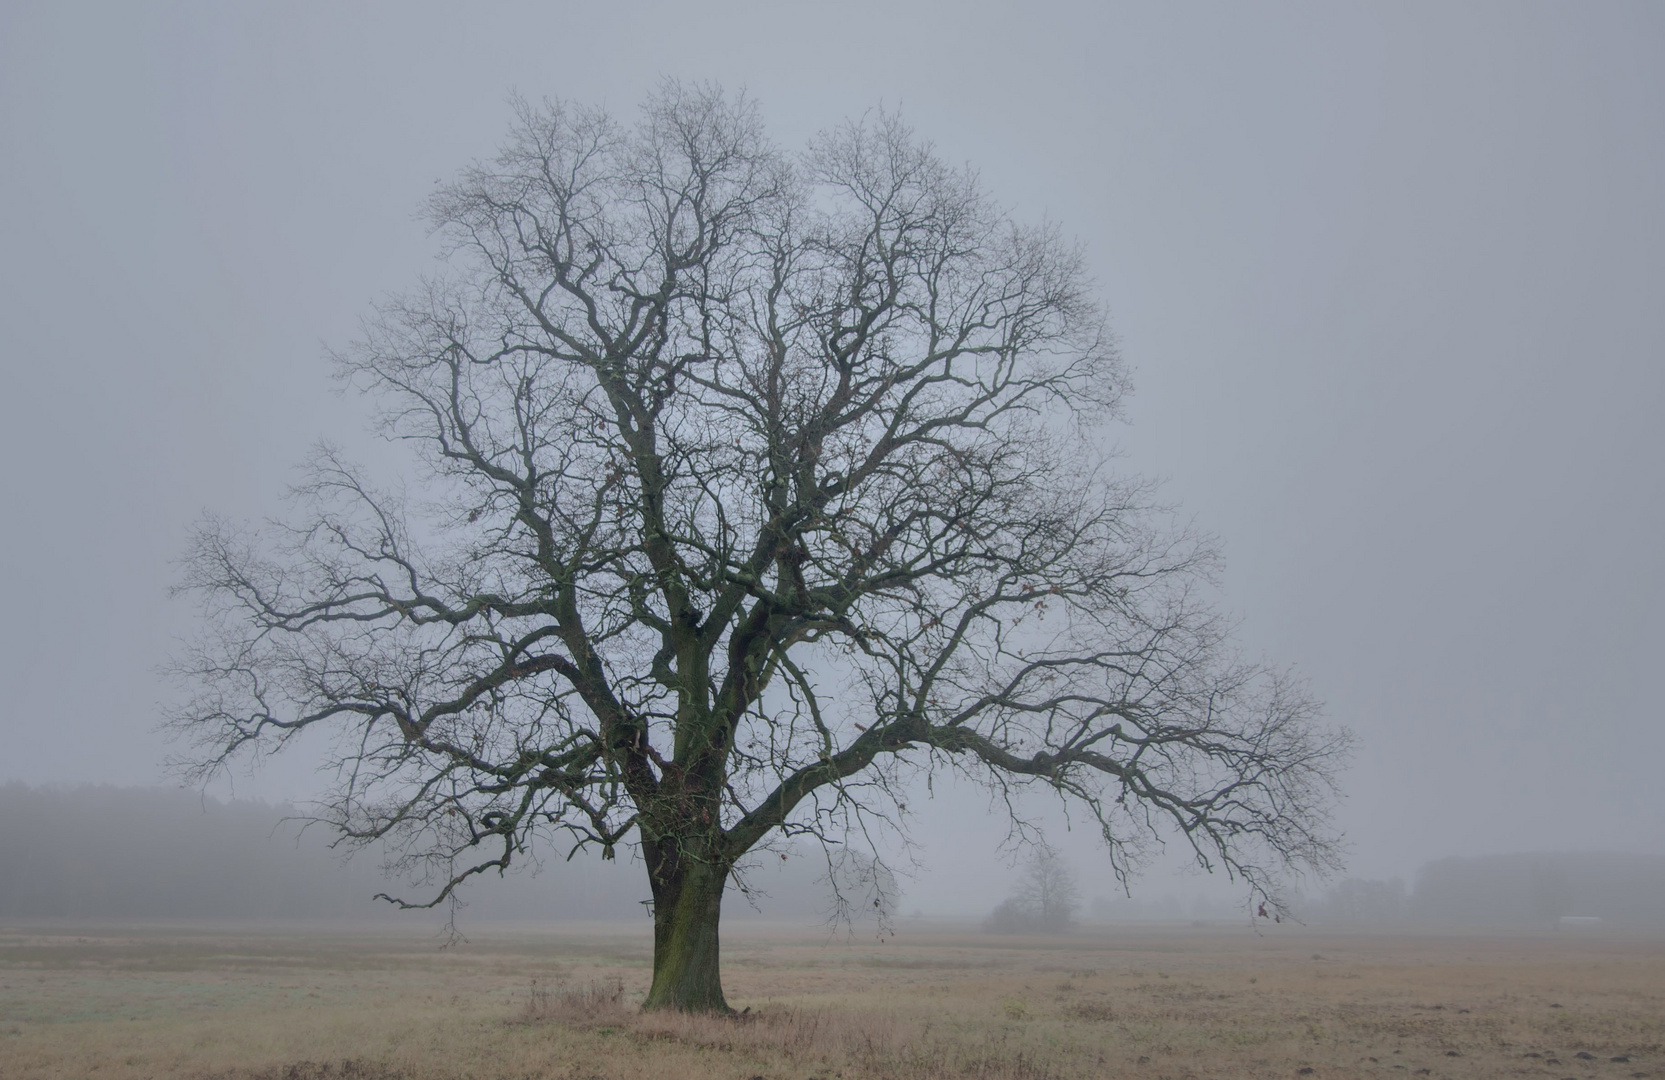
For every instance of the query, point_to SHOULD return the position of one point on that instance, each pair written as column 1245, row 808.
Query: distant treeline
column 159, row 853
column 1520, row 890
column 155, row 853
column 1621, row 890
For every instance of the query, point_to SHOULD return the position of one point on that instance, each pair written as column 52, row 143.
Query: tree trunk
column 687, row 905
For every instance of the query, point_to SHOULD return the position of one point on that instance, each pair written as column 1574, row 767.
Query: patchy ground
column 935, row 1001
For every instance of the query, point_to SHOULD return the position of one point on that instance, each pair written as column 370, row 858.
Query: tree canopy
column 749, row 485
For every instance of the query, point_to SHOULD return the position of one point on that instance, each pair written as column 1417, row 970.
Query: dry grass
column 935, row 1003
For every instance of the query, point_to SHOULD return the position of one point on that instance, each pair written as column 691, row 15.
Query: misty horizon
column 107, row 853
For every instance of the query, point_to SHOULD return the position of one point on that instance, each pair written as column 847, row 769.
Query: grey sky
column 1391, row 279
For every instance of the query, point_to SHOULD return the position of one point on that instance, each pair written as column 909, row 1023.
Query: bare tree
column 1361, row 900
column 750, row 483
column 1045, row 900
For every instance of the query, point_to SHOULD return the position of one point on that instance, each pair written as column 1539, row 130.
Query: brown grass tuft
column 347, row 1069
column 595, row 1004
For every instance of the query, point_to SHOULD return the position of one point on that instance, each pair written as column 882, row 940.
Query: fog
column 148, row 854
column 1388, row 277
column 103, row 852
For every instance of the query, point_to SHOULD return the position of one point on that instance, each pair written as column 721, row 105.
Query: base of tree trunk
column 686, row 976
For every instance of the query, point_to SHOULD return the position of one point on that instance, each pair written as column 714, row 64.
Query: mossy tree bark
column 687, row 907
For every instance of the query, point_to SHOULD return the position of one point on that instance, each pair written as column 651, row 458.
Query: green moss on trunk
column 686, row 913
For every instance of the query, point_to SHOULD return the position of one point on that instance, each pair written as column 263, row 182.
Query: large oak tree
column 747, row 484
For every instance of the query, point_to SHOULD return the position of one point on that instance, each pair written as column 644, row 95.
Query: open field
column 935, row 1001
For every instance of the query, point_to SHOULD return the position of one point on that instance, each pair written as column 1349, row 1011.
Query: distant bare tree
column 1045, row 901
column 1358, row 900
column 749, row 482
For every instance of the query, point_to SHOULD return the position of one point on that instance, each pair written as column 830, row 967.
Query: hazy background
column 1391, row 279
